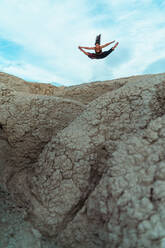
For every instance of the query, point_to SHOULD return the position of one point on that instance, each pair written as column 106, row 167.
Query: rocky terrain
column 82, row 166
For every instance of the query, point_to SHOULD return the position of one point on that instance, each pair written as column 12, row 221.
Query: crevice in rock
column 96, row 173
column 75, row 209
column 13, row 174
column 158, row 102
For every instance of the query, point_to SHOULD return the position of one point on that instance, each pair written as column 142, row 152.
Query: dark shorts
column 100, row 55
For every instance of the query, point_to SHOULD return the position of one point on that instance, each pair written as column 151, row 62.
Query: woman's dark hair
column 98, row 38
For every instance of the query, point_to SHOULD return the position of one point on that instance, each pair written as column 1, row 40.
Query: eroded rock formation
column 87, row 163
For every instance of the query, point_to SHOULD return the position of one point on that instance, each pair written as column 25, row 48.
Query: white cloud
column 28, row 71
column 51, row 30
column 142, row 31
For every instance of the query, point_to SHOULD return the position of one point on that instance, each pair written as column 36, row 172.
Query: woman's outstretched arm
column 107, row 44
column 90, row 48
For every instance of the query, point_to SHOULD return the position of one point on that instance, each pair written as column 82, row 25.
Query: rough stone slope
column 21, row 85
column 84, row 93
column 99, row 180
column 27, row 123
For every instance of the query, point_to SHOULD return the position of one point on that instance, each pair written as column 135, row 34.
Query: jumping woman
column 99, row 54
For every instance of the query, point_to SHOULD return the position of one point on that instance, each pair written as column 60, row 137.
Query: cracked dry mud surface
column 88, row 172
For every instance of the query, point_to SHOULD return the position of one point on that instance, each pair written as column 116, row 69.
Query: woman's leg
column 106, row 53
column 117, row 43
column 86, row 53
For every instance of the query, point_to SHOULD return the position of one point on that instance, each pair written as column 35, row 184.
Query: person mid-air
column 99, row 54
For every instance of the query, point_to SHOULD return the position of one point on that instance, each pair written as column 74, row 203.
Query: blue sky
column 39, row 39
